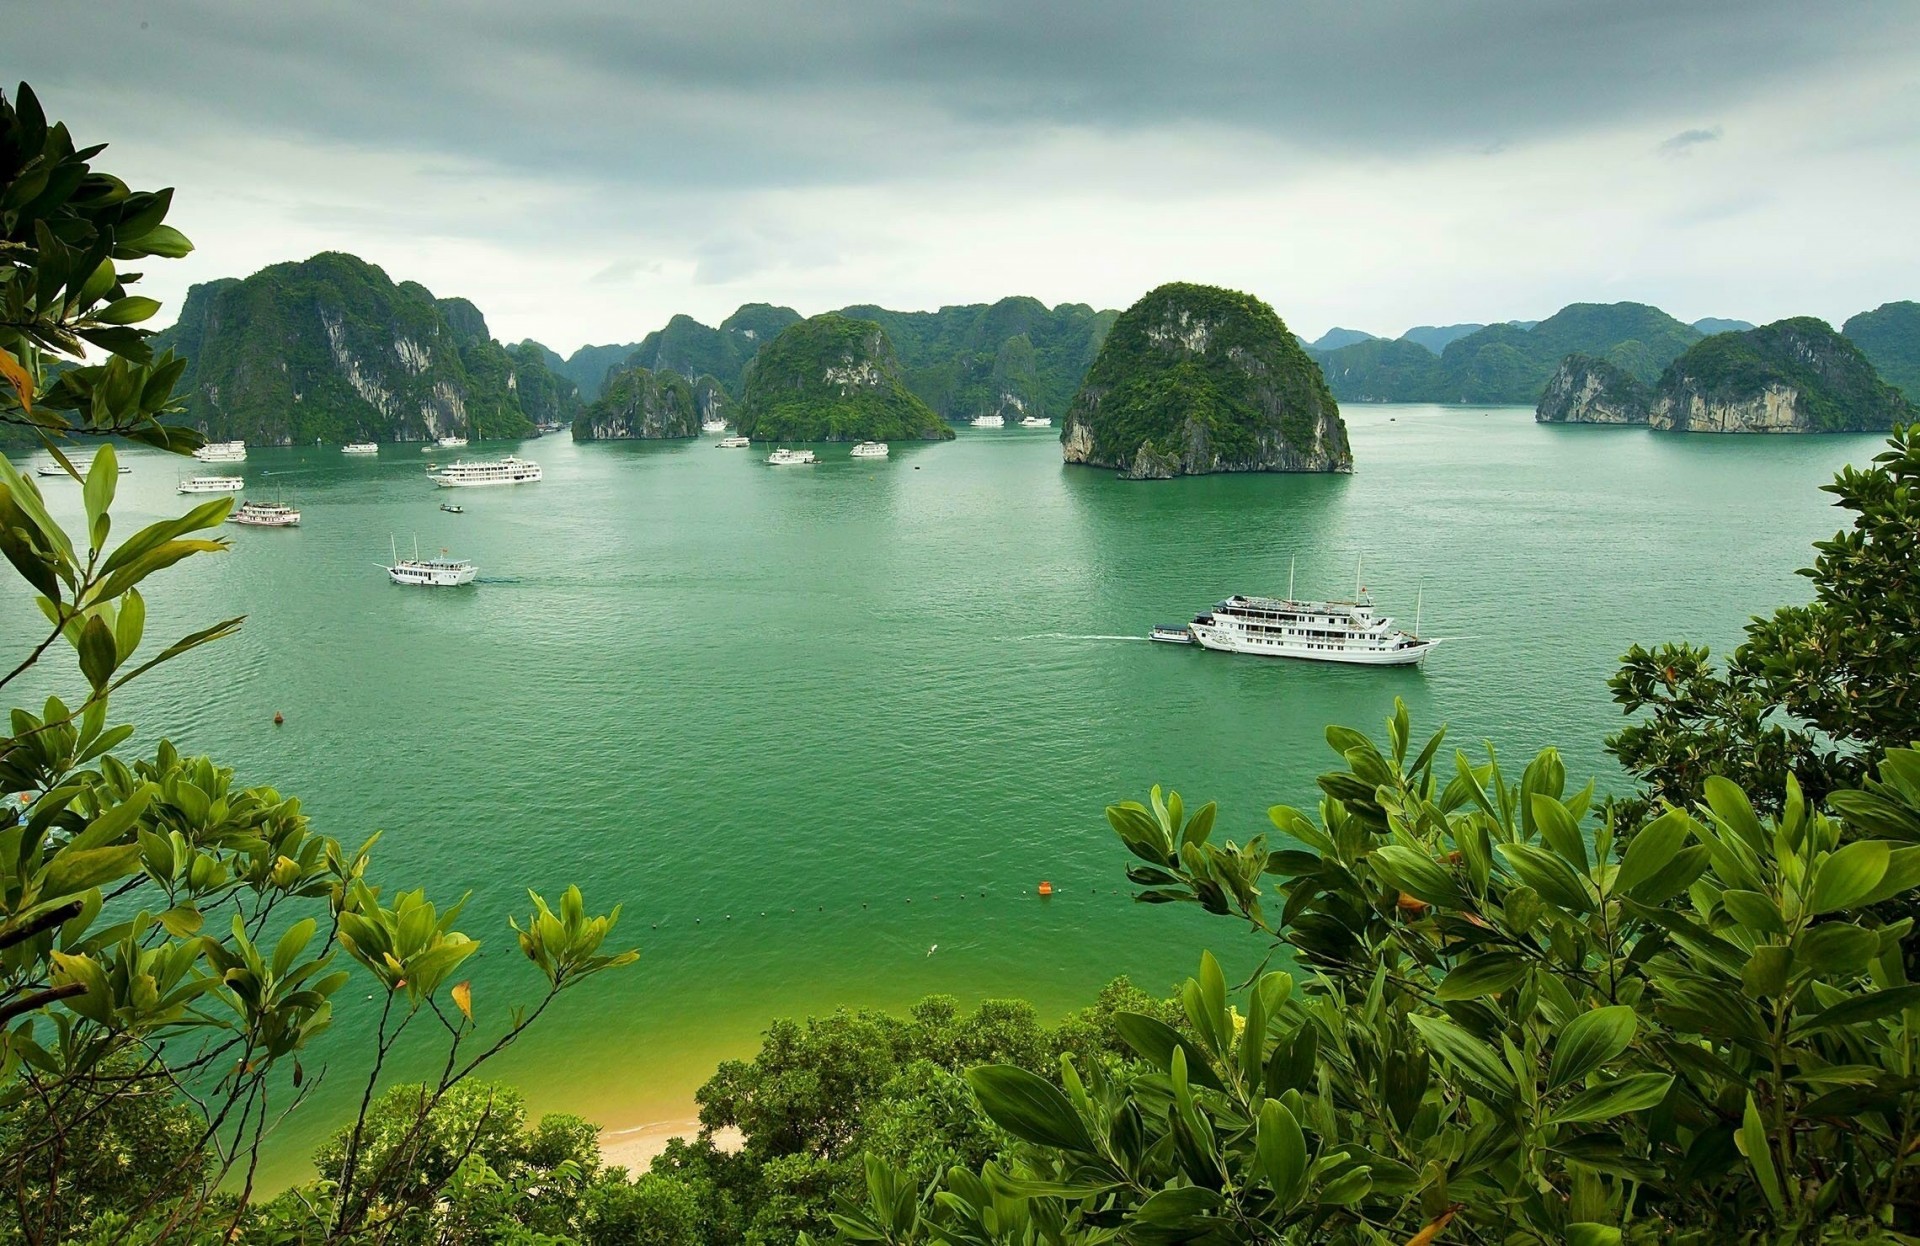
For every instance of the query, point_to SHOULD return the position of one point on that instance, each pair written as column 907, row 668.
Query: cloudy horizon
column 584, row 171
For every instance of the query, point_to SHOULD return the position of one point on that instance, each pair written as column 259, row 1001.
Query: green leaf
column 1156, row 1041
column 1652, row 849
column 1849, row 875
column 1609, row 1099
column 1488, row 974
column 98, row 656
column 1861, row 1009
column 1029, row 1107
column 1757, row 912
column 1178, row 1206
column 73, row 871
column 1404, row 869
column 1461, row 1050
column 1589, row 1041
column 97, row 494
column 1752, row 1140
column 1765, row 974
column 1731, row 806
column 1836, row 949
column 1548, row 875
column 1902, row 876
column 130, row 310
column 1588, row 1233
column 1282, row 1152
column 1559, row 831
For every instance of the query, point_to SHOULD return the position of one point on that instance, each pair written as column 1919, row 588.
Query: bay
column 821, row 730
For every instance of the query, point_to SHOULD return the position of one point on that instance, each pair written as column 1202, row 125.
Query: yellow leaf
column 463, row 998
column 18, row 378
column 1425, row 1236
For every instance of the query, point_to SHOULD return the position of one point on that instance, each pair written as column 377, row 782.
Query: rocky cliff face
column 638, row 403
column 331, row 348
column 1195, row 379
column 712, row 400
column 1792, row 376
column 833, row 378
column 1585, row 390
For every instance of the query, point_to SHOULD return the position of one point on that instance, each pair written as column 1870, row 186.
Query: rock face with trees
column 331, row 348
column 1889, row 336
column 833, row 378
column 1195, row 379
column 1792, row 376
column 640, row 404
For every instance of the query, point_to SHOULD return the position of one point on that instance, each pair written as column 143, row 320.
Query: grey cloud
column 745, row 93
column 1684, row 142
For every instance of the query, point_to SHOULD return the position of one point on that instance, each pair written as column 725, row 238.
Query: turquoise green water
column 808, row 723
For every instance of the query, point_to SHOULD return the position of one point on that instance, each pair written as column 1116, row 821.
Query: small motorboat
column 452, row 509
column 1171, row 634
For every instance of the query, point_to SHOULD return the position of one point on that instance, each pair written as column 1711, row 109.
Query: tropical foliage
column 171, row 940
column 832, row 378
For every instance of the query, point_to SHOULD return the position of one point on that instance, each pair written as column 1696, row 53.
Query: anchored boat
column 265, row 515
column 789, row 458
column 870, row 450
column 989, row 421
column 360, row 447
column 736, row 442
column 213, row 484
column 222, row 452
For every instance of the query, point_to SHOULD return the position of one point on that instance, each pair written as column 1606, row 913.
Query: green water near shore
column 808, row 723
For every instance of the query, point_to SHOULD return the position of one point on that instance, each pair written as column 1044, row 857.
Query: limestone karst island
column 968, row 625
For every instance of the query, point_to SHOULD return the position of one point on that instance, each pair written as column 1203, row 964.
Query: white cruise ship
column 735, row 442
column 82, row 463
column 452, row 442
column 213, row 484
column 222, row 452
column 989, row 421
column 713, row 426
column 1037, row 421
column 430, row 572
column 360, row 447
column 507, row 471
column 265, row 515
column 788, row 458
column 1318, row 631
column 870, row 450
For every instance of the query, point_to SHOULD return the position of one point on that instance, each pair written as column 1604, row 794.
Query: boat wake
column 1078, row 636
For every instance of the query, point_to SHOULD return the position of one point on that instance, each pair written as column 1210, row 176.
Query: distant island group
column 1189, row 380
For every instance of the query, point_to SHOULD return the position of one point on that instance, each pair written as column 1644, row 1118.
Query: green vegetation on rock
column 1195, row 379
column 1510, row 363
column 1793, row 375
column 833, row 378
column 640, row 404
column 1889, row 335
column 331, row 349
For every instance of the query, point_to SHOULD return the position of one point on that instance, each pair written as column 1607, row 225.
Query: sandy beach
column 634, row 1148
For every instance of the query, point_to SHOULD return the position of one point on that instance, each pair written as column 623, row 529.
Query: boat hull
column 448, row 483
column 1228, row 640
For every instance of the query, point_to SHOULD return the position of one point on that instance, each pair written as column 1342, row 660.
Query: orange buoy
column 1046, row 888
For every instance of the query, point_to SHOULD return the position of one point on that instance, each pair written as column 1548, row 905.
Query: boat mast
column 1356, row 576
column 1290, row 564
column 1417, row 596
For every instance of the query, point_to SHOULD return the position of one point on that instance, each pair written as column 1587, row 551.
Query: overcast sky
column 584, row 170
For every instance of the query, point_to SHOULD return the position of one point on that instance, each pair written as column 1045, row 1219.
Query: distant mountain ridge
column 1508, row 363
column 1792, row 376
column 331, row 348
column 1889, row 335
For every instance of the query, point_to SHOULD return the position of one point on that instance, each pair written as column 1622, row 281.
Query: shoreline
column 634, row 1147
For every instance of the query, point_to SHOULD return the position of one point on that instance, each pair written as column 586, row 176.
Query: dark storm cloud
column 730, row 93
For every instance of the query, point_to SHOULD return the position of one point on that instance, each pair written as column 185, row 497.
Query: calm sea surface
column 806, row 724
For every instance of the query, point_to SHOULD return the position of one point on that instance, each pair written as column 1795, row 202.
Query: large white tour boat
column 265, row 515
column 213, row 484
column 870, row 450
column 222, row 452
column 788, row 458
column 82, row 463
column 452, row 442
column 989, row 421
column 361, row 447
column 507, row 471
column 1318, row 631
column 735, row 442
column 430, row 572
column 1037, row 421
column 713, row 426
